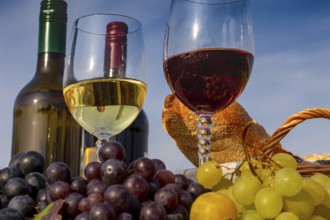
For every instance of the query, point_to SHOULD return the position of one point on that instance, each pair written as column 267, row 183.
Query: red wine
column 208, row 80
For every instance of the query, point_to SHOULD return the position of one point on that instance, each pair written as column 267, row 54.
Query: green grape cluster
column 274, row 190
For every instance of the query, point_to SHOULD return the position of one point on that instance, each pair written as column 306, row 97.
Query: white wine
column 106, row 106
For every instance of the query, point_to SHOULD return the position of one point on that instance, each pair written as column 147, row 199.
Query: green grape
column 322, row 210
column 316, row 217
column 286, row 216
column 326, row 200
column 288, row 181
column 240, row 208
column 268, row 202
column 250, row 214
column 285, row 160
column 224, row 183
column 209, row 174
column 268, row 182
column 212, row 205
column 321, row 178
column 315, row 190
column 222, row 191
column 245, row 188
column 300, row 204
column 262, row 172
column 244, row 167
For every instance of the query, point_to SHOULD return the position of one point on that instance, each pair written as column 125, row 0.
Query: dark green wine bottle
column 41, row 120
column 135, row 138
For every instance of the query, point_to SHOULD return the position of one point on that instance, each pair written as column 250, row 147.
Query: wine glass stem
column 204, row 137
column 99, row 143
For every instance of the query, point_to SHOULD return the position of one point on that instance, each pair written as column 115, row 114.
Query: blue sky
column 291, row 69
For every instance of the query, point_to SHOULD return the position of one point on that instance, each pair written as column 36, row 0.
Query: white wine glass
column 208, row 57
column 105, row 82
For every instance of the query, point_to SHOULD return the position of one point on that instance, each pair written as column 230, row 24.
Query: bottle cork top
column 53, row 11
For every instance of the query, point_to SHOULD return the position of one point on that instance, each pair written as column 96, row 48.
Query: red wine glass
column 208, row 58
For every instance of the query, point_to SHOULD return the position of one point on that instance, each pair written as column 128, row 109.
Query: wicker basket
column 304, row 168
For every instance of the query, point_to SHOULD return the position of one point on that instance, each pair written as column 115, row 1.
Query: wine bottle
column 135, row 136
column 41, row 120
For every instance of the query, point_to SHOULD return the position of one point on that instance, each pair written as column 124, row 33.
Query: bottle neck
column 51, row 51
column 52, row 37
column 50, row 65
column 115, row 52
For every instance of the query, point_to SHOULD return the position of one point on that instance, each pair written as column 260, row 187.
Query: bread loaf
column 227, row 131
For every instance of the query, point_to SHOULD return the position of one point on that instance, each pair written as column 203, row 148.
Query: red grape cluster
column 110, row 189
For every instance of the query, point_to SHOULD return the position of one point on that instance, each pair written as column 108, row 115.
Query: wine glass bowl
column 105, row 82
column 208, row 57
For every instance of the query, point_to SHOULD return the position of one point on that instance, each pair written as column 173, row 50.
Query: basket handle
column 290, row 123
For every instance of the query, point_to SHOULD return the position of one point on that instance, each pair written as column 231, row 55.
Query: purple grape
column 13, row 163
column 173, row 186
column 97, row 187
column 179, row 213
column 159, row 164
column 37, row 181
column 135, row 208
column 167, row 197
column 138, row 186
column 23, row 203
column 152, row 210
column 70, row 207
column 11, row 213
column 82, row 216
column 130, row 168
column 31, row 161
column 41, row 195
column 84, row 205
column 93, row 170
column 185, row 199
column 145, row 167
column 195, row 189
column 40, row 199
column 153, row 188
column 181, row 180
column 41, row 205
column 95, row 198
column 59, row 190
column 102, row 211
column 79, row 185
column 111, row 150
column 165, row 177
column 6, row 174
column 4, row 200
column 119, row 197
column 124, row 216
column 113, row 171
column 91, row 183
column 16, row 186
column 58, row 171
